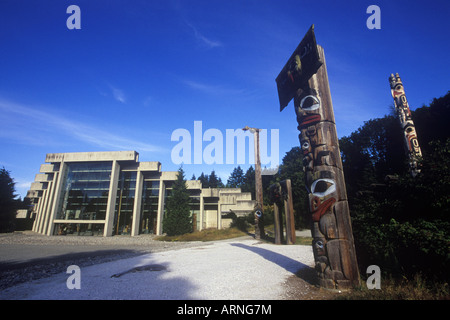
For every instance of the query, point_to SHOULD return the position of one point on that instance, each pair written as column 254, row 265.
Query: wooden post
column 259, row 212
column 259, row 226
column 282, row 193
column 333, row 245
column 278, row 224
column 404, row 115
column 275, row 196
column 289, row 214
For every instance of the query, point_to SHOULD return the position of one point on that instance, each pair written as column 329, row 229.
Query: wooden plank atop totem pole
column 303, row 63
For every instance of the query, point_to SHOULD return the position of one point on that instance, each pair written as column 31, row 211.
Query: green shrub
column 242, row 223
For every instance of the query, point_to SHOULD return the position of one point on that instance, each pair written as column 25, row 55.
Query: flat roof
column 93, row 156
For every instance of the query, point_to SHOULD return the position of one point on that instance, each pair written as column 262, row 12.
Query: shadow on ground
column 297, row 268
column 16, row 272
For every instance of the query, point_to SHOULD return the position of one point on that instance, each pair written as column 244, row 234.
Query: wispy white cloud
column 23, row 184
column 118, row 94
column 49, row 127
column 202, row 39
column 211, row 89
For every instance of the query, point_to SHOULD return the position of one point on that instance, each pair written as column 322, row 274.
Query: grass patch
column 416, row 288
column 205, row 235
column 270, row 237
column 304, row 241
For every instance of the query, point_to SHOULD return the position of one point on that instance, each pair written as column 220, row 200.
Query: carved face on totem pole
column 318, row 142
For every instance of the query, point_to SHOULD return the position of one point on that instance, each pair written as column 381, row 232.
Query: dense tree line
column 210, row 181
column 399, row 222
column 10, row 202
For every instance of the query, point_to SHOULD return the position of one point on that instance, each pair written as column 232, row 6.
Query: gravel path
column 34, row 267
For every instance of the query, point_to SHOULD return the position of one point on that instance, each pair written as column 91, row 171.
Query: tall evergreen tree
column 178, row 218
column 204, row 179
column 8, row 204
column 236, row 179
column 249, row 182
column 214, row 180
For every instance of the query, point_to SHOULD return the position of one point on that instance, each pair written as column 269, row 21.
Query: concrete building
column 112, row 193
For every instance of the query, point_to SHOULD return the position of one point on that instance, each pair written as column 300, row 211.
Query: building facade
column 112, row 193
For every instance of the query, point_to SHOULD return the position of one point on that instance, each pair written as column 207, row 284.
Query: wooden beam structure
column 281, row 196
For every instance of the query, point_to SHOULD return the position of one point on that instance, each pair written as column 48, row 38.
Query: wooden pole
column 259, row 226
column 289, row 213
column 304, row 78
column 275, row 196
column 404, row 115
column 333, row 244
column 259, row 212
column 278, row 224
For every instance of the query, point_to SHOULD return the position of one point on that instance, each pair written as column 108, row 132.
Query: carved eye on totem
column 309, row 103
column 305, row 146
column 319, row 244
column 323, row 187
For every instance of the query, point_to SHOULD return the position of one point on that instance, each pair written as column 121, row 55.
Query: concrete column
column 50, row 195
column 45, row 213
column 161, row 201
column 202, row 204
column 219, row 214
column 33, row 228
column 46, row 205
column 57, row 197
column 137, row 203
column 39, row 213
column 111, row 204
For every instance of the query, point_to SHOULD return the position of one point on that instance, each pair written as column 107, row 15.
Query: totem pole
column 404, row 115
column 305, row 79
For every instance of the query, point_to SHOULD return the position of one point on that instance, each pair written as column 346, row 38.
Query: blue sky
column 138, row 70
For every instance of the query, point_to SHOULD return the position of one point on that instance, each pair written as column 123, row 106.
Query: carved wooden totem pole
column 305, row 79
column 404, row 115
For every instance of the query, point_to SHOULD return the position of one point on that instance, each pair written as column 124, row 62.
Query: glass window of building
column 123, row 216
column 149, row 207
column 85, row 191
column 194, row 204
